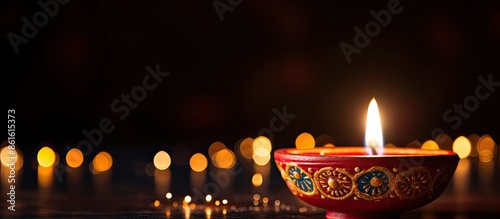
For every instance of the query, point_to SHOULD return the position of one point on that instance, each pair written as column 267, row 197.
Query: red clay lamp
column 366, row 182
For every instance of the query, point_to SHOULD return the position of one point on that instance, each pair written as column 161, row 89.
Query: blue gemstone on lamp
column 301, row 179
column 374, row 183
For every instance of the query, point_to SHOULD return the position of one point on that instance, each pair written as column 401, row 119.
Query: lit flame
column 374, row 140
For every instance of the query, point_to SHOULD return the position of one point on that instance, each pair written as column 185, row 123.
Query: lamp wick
column 373, row 146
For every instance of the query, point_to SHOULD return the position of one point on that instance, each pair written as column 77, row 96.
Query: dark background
column 227, row 76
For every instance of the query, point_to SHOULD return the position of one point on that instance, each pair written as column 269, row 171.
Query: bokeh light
column 214, row 148
column 6, row 158
column 74, row 158
column 246, row 148
column 162, row 160
column 389, row 145
column 264, row 143
column 102, row 162
column 486, row 143
column 225, row 159
column 256, row 197
column 257, row 179
column 304, row 141
column 168, row 195
column 485, row 156
column 329, row 145
column 324, row 139
column 156, row 203
column 261, row 150
column 277, row 202
column 208, row 198
column 187, row 199
column 444, row 141
column 198, row 162
column 462, row 147
column 473, row 138
column 46, row 157
column 430, row 144
column 261, row 160
column 486, row 148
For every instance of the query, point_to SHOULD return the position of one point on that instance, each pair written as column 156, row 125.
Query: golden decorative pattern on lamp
column 334, row 183
column 441, row 179
column 413, row 183
column 372, row 184
column 301, row 180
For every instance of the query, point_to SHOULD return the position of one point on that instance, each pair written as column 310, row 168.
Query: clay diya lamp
column 349, row 183
column 366, row 182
